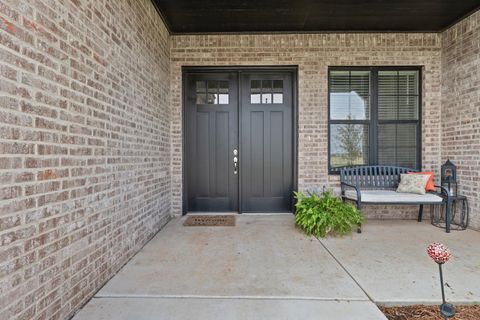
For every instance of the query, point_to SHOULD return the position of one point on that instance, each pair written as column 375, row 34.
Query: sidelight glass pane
column 350, row 95
column 349, row 145
column 397, row 145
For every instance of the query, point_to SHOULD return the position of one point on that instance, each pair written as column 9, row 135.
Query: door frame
column 292, row 69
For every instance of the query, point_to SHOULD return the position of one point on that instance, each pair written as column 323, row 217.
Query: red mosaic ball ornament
column 438, row 252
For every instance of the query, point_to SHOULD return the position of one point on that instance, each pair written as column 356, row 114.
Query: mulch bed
column 430, row 313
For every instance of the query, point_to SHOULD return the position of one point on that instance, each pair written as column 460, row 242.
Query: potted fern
column 325, row 214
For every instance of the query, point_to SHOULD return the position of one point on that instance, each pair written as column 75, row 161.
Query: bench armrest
column 444, row 192
column 344, row 185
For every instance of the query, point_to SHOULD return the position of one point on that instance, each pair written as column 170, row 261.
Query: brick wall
column 91, row 134
column 313, row 53
column 461, row 107
column 84, row 147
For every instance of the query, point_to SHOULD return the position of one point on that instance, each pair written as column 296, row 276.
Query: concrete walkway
column 264, row 268
column 389, row 261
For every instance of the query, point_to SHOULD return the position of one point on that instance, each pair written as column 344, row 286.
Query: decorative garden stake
column 440, row 254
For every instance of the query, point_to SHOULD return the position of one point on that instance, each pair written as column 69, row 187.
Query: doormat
column 210, row 221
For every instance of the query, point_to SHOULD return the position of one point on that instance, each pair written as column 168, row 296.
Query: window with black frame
column 374, row 117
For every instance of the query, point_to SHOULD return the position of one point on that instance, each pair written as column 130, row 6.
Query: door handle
column 235, row 161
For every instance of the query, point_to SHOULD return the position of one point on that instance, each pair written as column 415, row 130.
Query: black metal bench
column 377, row 184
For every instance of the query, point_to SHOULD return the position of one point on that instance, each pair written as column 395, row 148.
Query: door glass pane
column 201, row 86
column 266, row 98
column 277, row 85
column 255, row 86
column 212, row 86
column 223, row 98
column 278, row 98
column 266, row 85
column 223, row 86
column 349, row 95
column 255, row 98
column 201, row 98
column 349, row 145
column 212, row 98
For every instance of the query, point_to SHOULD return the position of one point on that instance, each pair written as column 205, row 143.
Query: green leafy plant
column 325, row 215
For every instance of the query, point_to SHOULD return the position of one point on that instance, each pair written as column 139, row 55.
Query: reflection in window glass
column 348, row 145
column 212, row 98
column 349, row 95
column 201, row 98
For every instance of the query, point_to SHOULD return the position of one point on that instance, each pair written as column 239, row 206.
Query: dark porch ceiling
column 218, row 16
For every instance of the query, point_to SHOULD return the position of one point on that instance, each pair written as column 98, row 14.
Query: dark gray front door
column 267, row 142
column 239, row 141
column 211, row 138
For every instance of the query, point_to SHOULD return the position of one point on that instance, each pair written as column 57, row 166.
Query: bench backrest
column 373, row 177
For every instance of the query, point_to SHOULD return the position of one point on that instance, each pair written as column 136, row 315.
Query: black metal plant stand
column 446, row 309
column 459, row 215
column 440, row 254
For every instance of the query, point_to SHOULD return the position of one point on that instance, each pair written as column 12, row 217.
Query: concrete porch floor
column 264, row 268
